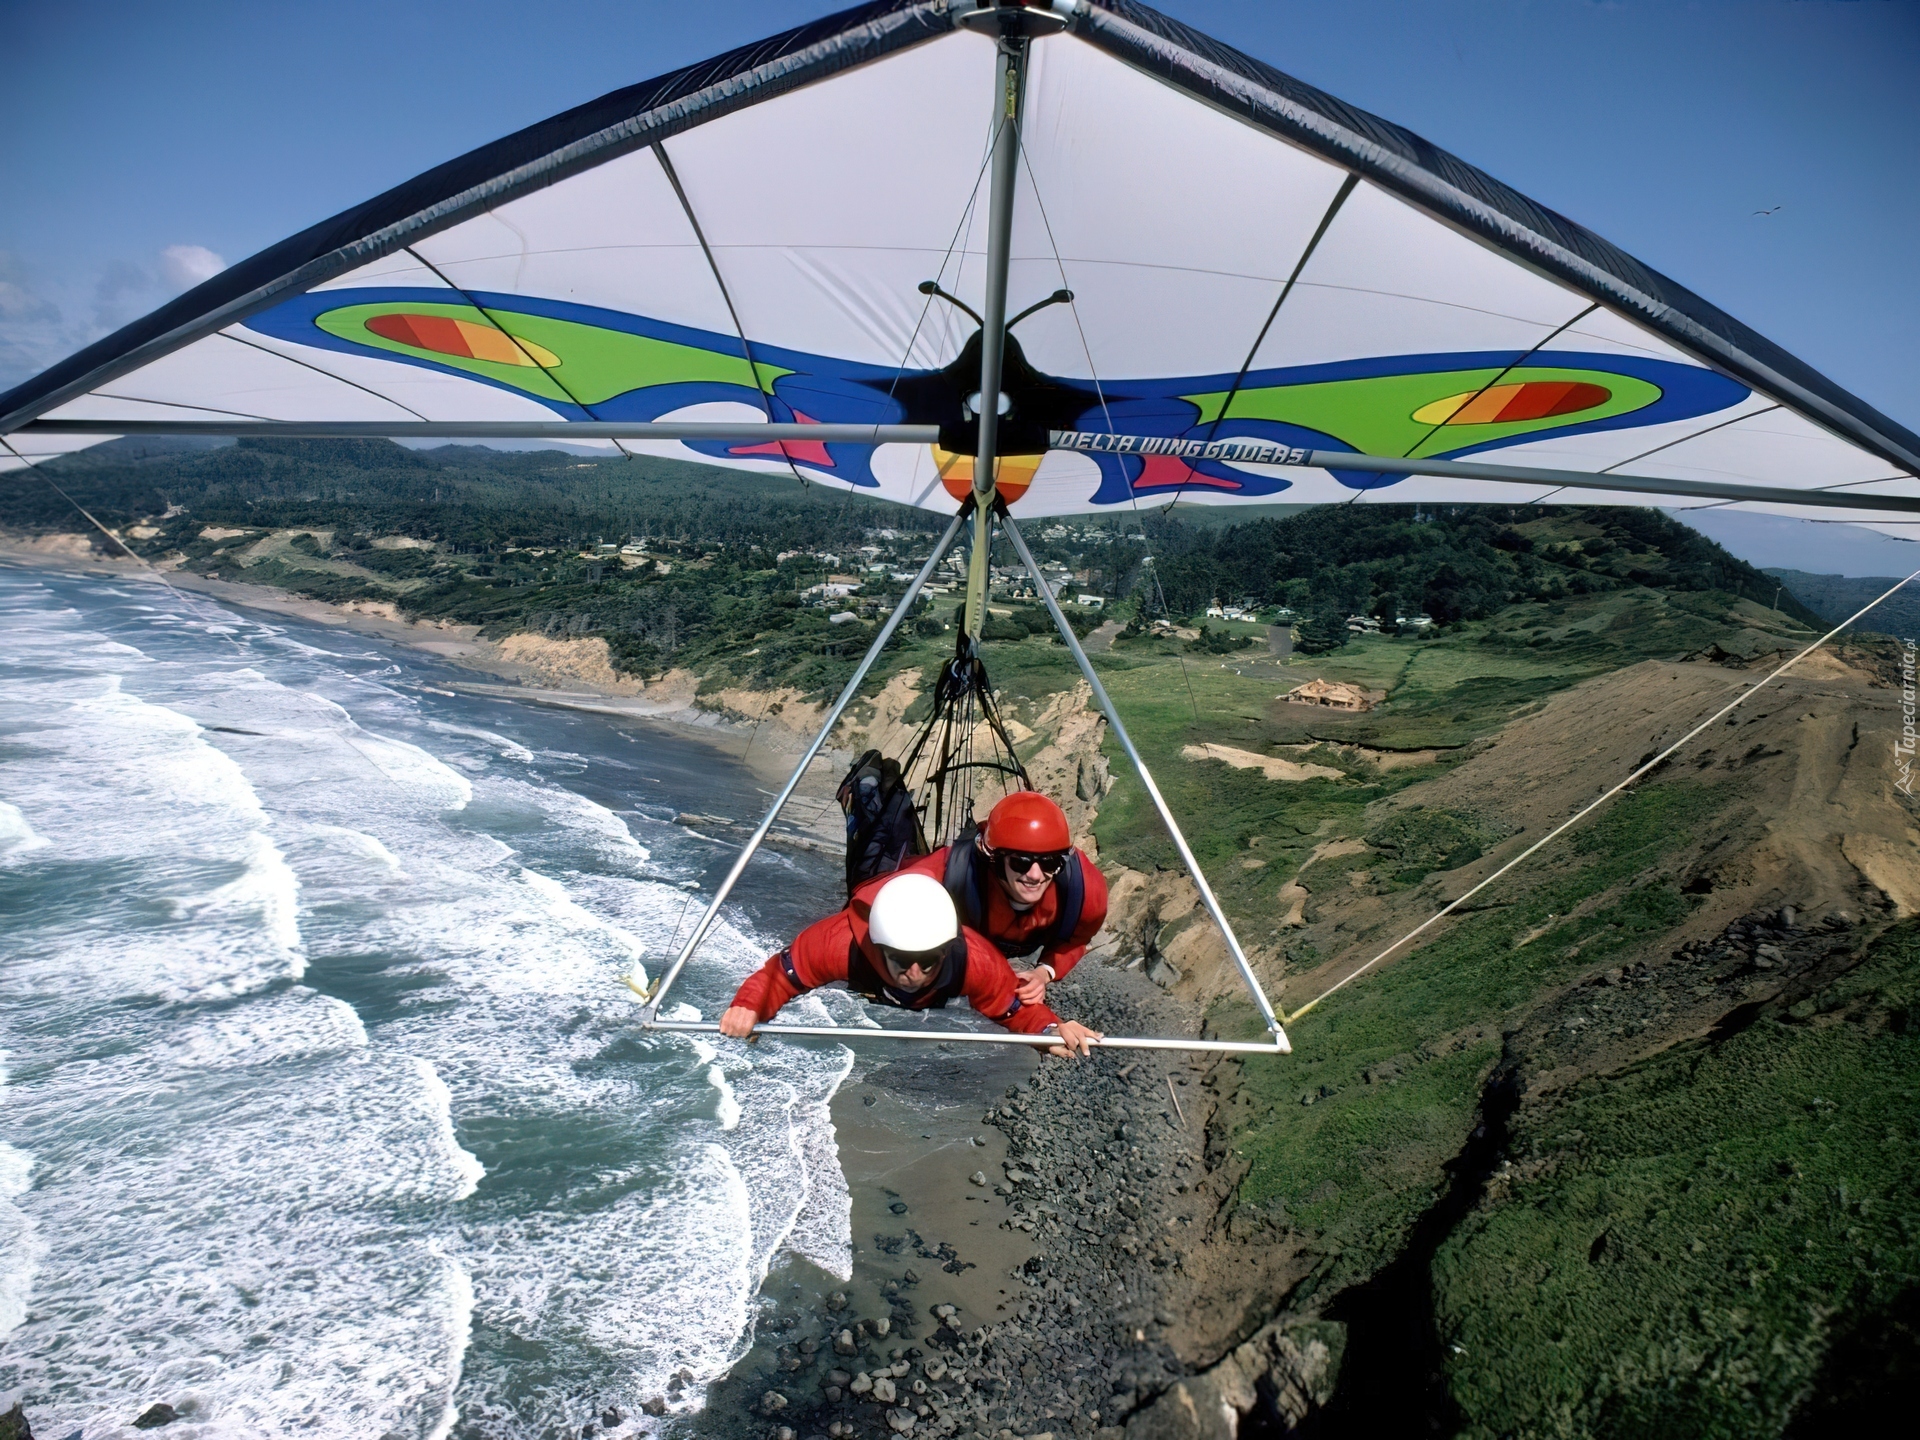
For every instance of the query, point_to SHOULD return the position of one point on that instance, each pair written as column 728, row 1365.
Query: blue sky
column 146, row 143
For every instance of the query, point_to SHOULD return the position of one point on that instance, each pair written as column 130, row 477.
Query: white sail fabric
column 744, row 241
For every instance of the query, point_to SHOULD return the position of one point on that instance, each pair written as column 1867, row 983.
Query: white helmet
column 913, row 913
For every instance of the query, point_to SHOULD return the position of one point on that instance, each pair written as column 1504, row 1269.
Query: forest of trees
column 507, row 527
column 1461, row 563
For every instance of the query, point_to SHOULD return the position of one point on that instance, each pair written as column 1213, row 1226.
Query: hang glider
column 1227, row 287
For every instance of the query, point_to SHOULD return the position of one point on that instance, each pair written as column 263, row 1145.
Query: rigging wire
column 124, row 548
column 1133, row 497
column 518, row 344
column 1581, row 814
column 713, row 268
column 1666, row 445
column 1347, row 188
column 1442, row 424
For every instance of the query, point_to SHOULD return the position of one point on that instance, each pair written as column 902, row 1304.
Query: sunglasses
column 901, row 961
column 1019, row 862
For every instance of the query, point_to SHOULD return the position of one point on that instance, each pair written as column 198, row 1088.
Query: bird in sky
column 1768, row 212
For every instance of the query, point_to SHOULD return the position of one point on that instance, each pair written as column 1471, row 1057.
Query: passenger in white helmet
column 909, row 950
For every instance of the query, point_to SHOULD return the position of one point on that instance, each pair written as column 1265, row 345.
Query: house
column 1235, row 612
column 835, row 587
column 1363, row 625
column 1416, row 622
column 1332, row 694
column 1214, row 612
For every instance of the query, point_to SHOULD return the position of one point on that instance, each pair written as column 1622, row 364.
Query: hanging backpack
column 883, row 828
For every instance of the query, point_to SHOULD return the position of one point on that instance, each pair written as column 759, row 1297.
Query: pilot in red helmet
column 1022, row 883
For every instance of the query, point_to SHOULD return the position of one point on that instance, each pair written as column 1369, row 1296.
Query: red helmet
column 1027, row 820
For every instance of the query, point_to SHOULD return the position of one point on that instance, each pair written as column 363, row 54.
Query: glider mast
column 1010, row 85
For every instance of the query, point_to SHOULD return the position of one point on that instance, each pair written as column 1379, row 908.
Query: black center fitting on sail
column 1037, row 403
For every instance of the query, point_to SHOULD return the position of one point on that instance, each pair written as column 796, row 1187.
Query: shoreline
column 1101, row 1284
column 1075, row 1285
column 767, row 746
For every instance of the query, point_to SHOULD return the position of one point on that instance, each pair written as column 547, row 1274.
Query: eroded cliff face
column 563, row 663
column 1794, row 854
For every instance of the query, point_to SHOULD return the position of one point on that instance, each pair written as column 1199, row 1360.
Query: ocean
column 323, row 1108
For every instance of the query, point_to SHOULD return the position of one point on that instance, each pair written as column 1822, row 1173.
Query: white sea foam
column 563, row 904
column 252, row 1159
column 728, row 1111
column 21, row 1248
column 135, row 789
column 440, row 1105
column 307, row 1024
column 16, row 835
column 510, row 749
column 277, row 1292
column 459, row 1335
column 356, row 842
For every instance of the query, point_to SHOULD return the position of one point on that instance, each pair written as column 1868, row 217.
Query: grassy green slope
column 1674, row 1261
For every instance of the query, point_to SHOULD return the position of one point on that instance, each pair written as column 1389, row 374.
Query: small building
column 1331, row 694
column 1363, row 625
column 841, row 617
column 835, row 587
column 1091, row 602
column 1214, row 612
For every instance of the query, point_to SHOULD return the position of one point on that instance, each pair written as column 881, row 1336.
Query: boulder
column 844, row 1343
column 1289, row 1368
column 883, row 1390
column 900, row 1422
column 773, row 1402
column 839, row 1377
column 979, row 1177
column 655, row 1407
column 154, row 1416
column 862, row 1384
column 13, row 1423
column 837, row 1301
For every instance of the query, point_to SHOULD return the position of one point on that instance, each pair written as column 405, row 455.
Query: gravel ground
column 1109, row 1175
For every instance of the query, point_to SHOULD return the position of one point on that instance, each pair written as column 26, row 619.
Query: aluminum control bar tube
column 976, row 1037
column 1269, row 452
column 1242, row 451
column 750, row 433
column 659, row 992
column 1106, row 704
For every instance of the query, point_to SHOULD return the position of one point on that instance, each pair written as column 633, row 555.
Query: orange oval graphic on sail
column 444, row 335
column 1504, row 404
column 1013, row 473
